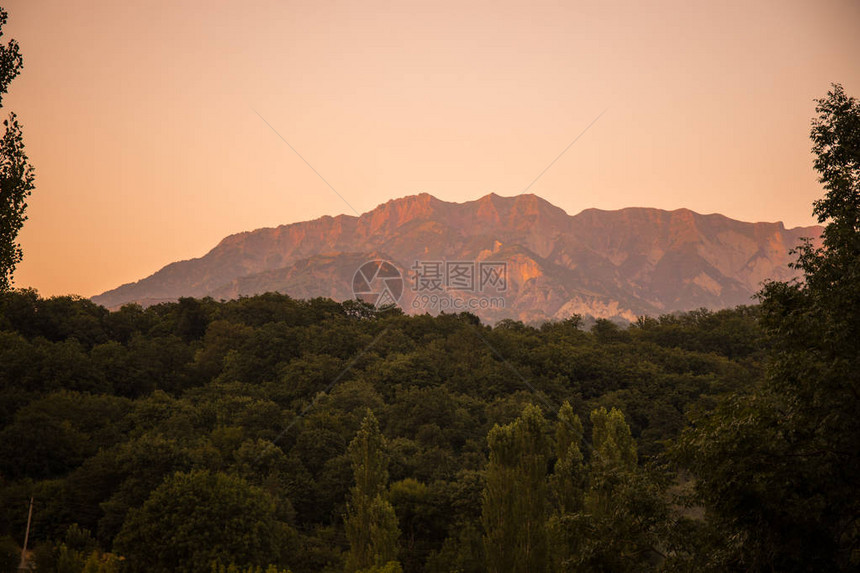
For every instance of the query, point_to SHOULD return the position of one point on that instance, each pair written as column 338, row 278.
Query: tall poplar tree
column 568, row 478
column 624, row 508
column 16, row 173
column 567, row 484
column 371, row 524
column 514, row 511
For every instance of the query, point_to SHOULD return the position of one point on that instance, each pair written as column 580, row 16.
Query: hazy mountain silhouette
column 601, row 263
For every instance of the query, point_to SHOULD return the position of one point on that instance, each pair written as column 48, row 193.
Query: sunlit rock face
column 607, row 264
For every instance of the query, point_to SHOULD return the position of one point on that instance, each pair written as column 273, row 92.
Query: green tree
column 197, row 518
column 614, row 452
column 514, row 509
column 371, row 523
column 16, row 173
column 623, row 507
column 779, row 471
column 410, row 499
column 568, row 482
column 568, row 478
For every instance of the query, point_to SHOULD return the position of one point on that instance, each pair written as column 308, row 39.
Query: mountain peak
column 421, row 203
column 395, row 213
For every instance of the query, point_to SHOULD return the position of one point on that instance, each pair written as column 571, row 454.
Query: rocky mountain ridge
column 608, row 264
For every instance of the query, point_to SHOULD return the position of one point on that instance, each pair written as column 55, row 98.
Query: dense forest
column 272, row 434
column 122, row 424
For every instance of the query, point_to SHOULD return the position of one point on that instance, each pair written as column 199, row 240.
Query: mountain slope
column 605, row 263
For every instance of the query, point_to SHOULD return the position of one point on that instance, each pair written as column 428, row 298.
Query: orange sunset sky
column 141, row 116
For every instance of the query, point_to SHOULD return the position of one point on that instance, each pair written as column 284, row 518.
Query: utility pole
column 24, row 566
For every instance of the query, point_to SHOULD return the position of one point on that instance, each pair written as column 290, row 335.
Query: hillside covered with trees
column 124, row 426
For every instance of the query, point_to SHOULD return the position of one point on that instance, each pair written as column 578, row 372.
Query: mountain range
column 606, row 264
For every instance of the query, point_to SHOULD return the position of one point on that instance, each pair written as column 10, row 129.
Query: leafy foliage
column 199, row 518
column 16, row 173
